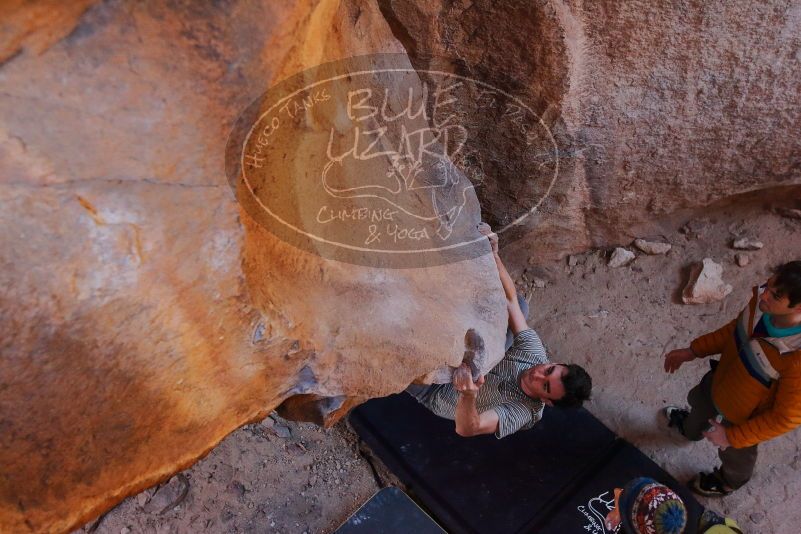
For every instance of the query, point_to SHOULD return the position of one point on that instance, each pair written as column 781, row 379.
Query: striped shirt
column 501, row 390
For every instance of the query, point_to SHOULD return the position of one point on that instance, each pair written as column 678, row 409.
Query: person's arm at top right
column 701, row 347
column 517, row 321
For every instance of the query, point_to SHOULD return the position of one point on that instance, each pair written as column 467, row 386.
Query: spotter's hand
column 717, row 435
column 675, row 358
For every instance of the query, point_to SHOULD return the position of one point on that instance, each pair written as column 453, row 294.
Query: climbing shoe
column 710, row 485
column 675, row 417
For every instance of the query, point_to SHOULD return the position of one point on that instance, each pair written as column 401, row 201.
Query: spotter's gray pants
column 736, row 465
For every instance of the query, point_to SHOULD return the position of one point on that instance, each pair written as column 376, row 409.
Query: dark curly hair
column 788, row 281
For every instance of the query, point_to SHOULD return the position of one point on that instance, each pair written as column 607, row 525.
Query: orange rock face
column 145, row 313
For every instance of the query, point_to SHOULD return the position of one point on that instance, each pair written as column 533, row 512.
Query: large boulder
column 146, row 313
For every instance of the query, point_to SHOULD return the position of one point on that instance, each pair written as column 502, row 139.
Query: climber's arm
column 517, row 321
column 468, row 421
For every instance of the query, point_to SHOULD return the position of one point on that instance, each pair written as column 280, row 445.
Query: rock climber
column 513, row 394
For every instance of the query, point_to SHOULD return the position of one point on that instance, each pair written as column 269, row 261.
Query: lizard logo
column 372, row 162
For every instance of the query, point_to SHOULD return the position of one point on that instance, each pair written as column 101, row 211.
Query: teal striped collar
column 774, row 331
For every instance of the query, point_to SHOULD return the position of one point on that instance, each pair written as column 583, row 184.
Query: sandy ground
column 285, row 477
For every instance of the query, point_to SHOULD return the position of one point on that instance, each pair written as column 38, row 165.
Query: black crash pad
column 390, row 511
column 531, row 481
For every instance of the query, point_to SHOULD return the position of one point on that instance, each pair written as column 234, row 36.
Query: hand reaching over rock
column 463, row 380
column 486, row 230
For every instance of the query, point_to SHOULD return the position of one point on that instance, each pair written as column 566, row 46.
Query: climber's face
column 544, row 382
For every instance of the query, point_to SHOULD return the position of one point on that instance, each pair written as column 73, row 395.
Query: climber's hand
column 463, row 380
column 485, row 229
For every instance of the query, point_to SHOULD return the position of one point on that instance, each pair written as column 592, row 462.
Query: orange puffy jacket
column 757, row 384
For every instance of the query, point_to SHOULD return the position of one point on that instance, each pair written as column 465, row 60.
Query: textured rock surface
column 142, row 320
column 705, row 284
column 657, row 106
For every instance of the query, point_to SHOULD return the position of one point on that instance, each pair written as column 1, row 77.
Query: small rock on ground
column 694, row 228
column 282, row 431
column 539, row 283
column 169, row 495
column 652, row 247
column 621, row 257
column 747, row 244
column 705, row 284
column 742, row 259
